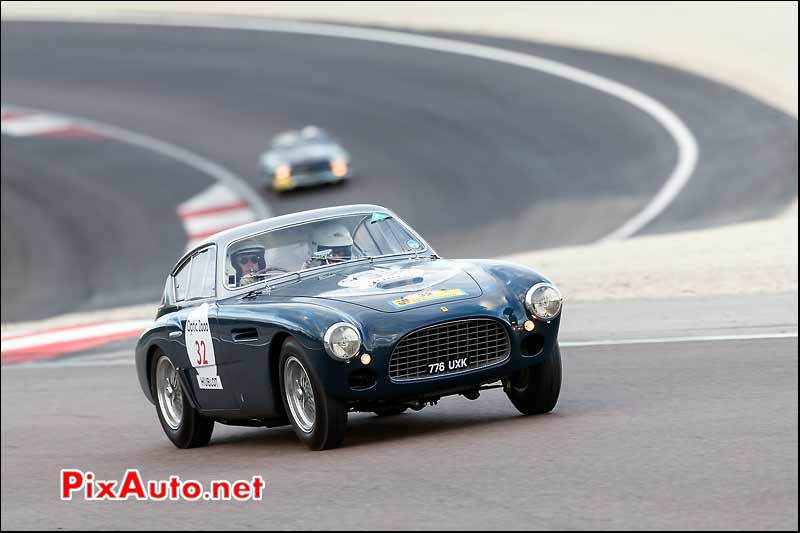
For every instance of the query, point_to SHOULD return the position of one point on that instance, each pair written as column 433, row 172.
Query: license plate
column 443, row 367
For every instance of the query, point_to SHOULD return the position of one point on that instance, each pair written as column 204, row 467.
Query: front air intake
column 449, row 348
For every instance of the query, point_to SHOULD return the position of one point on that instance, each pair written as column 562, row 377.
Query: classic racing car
column 303, row 318
column 309, row 156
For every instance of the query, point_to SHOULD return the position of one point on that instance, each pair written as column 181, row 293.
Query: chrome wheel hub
column 299, row 394
column 168, row 390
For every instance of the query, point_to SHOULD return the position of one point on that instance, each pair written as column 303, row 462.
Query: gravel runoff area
column 752, row 258
column 756, row 257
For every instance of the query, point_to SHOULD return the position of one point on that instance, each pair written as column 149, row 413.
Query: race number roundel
column 200, row 348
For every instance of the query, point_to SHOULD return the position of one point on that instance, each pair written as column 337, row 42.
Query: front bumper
column 306, row 180
column 338, row 377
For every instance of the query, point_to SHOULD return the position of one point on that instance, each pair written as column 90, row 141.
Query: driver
column 248, row 261
column 330, row 243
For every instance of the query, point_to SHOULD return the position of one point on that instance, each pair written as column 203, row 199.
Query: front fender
column 512, row 279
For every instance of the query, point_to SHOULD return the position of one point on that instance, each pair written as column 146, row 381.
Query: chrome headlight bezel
column 330, row 342
column 529, row 304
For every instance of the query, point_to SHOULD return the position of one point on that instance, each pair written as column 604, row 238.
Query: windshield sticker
column 426, row 296
column 377, row 217
column 414, row 245
column 200, row 348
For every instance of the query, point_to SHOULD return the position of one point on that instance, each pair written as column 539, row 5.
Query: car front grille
column 449, row 348
column 315, row 165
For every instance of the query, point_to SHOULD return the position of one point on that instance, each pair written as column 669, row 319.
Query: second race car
column 305, row 157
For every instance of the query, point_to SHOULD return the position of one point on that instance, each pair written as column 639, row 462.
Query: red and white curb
column 215, row 209
column 30, row 346
column 32, row 124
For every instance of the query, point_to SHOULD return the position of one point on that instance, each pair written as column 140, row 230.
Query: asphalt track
column 75, row 233
column 666, row 436
column 483, row 158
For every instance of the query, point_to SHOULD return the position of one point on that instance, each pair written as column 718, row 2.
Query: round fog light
column 366, row 359
column 529, row 325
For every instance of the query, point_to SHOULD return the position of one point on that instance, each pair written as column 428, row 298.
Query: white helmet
column 333, row 236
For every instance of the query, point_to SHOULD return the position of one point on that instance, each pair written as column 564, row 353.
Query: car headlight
column 543, row 301
column 283, row 173
column 339, row 168
column 342, row 341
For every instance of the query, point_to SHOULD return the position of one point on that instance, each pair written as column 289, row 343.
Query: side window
column 182, row 282
column 201, row 280
column 209, row 287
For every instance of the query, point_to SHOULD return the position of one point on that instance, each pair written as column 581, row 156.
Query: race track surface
column 77, row 230
column 668, row 436
column 483, row 158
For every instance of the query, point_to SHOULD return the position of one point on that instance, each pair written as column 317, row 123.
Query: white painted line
column 238, row 185
column 664, row 340
column 680, row 133
column 76, row 363
column 125, row 357
column 27, row 125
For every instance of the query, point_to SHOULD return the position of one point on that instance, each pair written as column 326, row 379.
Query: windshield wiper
column 269, row 286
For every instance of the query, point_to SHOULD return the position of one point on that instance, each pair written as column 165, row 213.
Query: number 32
column 201, row 358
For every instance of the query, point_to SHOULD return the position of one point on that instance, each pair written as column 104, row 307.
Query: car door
column 201, row 359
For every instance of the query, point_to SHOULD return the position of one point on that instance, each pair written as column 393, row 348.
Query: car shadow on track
column 369, row 430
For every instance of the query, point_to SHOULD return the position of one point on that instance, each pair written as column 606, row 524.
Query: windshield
column 305, row 136
column 314, row 244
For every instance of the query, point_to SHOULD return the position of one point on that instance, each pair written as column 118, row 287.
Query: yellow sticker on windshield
column 425, row 296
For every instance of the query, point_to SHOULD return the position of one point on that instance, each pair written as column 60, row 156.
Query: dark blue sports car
column 302, row 318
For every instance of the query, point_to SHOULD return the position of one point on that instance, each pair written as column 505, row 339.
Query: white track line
column 125, row 358
column 237, row 184
column 30, row 125
column 665, row 340
column 685, row 141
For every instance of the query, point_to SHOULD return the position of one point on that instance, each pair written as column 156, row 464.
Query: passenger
column 330, row 243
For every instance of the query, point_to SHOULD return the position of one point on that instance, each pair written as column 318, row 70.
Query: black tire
column 391, row 411
column 194, row 429
column 330, row 420
column 535, row 390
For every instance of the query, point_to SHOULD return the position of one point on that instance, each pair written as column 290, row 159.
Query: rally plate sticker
column 426, row 296
column 200, row 348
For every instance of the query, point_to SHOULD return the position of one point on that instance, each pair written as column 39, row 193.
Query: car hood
column 388, row 287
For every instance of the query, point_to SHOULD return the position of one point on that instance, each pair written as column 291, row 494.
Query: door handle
column 175, row 334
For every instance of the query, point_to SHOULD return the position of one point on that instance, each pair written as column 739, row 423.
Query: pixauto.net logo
column 84, row 485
